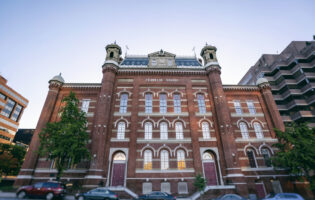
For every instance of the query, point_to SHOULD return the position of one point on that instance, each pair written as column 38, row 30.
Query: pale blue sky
column 39, row 39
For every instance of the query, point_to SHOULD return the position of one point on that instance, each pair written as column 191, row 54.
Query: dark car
column 47, row 190
column 230, row 197
column 157, row 196
column 96, row 194
column 283, row 196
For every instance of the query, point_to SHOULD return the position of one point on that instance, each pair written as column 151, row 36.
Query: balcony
column 302, row 114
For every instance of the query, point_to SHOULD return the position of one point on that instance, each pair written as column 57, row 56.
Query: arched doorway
column 118, row 169
column 209, row 168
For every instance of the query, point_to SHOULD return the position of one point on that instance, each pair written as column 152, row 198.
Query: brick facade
column 120, row 159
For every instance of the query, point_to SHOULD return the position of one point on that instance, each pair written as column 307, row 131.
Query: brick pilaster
column 26, row 173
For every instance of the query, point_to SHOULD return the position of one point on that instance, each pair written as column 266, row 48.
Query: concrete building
column 12, row 105
column 156, row 121
column 291, row 75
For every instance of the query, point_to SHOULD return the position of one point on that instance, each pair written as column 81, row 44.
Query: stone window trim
column 121, row 119
column 251, row 106
column 251, row 157
column 146, row 187
column 204, row 119
column 123, row 103
column 238, row 107
column 182, row 188
column 258, row 130
column 244, row 130
column 264, row 145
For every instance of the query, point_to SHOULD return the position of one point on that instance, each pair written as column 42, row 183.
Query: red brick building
column 158, row 120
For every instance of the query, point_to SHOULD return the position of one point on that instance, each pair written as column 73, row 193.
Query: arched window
column 147, row 159
column 266, row 154
column 211, row 56
column 179, row 130
column 148, row 103
column 177, row 103
column 251, row 158
column 119, row 156
column 163, row 103
column 111, row 54
column 201, row 103
column 181, row 159
column 205, row 130
column 258, row 130
column 148, row 130
column 164, row 159
column 244, row 130
column 163, row 131
column 207, row 156
column 121, row 130
column 123, row 103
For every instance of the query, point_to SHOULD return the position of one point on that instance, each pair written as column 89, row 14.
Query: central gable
column 161, row 59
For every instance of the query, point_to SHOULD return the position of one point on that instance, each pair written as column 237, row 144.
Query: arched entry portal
column 209, row 168
column 118, row 169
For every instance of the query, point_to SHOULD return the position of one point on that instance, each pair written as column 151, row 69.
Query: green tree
column 65, row 141
column 297, row 151
column 200, row 183
column 11, row 159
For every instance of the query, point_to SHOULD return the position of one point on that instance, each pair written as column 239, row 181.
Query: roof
column 144, row 61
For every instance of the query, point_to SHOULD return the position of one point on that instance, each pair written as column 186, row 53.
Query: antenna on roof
column 194, row 51
column 206, row 43
column 127, row 48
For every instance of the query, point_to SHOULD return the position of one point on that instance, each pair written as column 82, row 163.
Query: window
column 146, row 188
column 148, row 103
column 16, row 113
column 166, row 187
column 147, row 159
column 123, row 103
column 164, row 160
column 265, row 153
column 154, row 62
column 211, row 56
column 251, row 107
column 121, row 130
column 111, row 54
column 4, row 137
column 244, row 130
column 148, row 131
column 205, row 130
column 182, row 188
column 181, row 159
column 251, row 158
column 169, row 62
column 163, row 103
column 7, row 110
column 238, row 108
column 177, row 104
column 2, row 96
column 201, row 103
column 163, row 131
column 85, row 105
column 179, row 130
column 258, row 130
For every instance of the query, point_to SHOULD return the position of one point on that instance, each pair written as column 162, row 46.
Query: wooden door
column 118, row 174
column 260, row 189
column 210, row 173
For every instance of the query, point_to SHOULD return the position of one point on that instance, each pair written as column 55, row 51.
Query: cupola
column 113, row 52
column 208, row 54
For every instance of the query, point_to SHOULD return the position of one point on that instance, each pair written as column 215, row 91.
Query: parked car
column 97, row 193
column 283, row 196
column 230, row 197
column 157, row 196
column 48, row 190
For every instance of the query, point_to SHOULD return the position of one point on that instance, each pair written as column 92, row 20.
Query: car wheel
column 21, row 195
column 49, row 196
column 81, row 198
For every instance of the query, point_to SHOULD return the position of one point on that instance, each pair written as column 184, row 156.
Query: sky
column 39, row 39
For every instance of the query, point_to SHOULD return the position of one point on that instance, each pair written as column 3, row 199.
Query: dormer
column 161, row 59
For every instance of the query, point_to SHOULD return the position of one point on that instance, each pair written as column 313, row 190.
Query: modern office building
column 156, row 121
column 12, row 105
column 291, row 75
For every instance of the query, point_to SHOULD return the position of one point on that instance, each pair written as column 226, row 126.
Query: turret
column 208, row 54
column 113, row 52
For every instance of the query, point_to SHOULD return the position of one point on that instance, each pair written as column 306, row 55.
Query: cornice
column 240, row 87
column 150, row 71
column 82, row 85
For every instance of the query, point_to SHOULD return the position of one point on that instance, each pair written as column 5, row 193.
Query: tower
column 102, row 116
column 233, row 171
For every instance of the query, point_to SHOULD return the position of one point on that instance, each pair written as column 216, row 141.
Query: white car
column 283, row 196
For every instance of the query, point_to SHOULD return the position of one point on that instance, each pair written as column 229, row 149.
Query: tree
column 297, row 152
column 65, row 141
column 200, row 183
column 11, row 159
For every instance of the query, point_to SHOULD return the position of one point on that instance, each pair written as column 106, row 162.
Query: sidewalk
column 13, row 195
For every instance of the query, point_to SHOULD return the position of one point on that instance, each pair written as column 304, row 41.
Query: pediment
column 161, row 53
